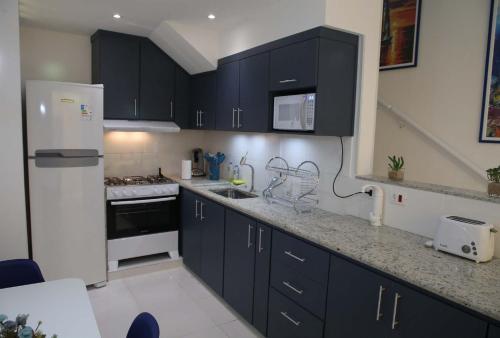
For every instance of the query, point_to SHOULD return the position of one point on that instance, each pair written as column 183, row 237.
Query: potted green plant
column 494, row 178
column 18, row 328
column 396, row 168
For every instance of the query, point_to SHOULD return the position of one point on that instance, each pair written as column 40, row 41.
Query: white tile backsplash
column 143, row 153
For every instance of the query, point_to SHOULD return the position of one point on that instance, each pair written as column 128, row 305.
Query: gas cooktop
column 130, row 187
column 137, row 180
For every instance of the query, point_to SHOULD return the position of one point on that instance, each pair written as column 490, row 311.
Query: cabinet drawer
column 288, row 320
column 306, row 292
column 303, row 258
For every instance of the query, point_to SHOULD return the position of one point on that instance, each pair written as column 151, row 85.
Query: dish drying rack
column 295, row 187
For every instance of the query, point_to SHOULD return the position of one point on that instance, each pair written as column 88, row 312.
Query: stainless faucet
column 243, row 162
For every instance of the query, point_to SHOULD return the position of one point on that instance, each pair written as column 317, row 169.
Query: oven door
column 127, row 218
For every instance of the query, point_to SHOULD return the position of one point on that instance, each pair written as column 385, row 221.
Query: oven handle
column 153, row 200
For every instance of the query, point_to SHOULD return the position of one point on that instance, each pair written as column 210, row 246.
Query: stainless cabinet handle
column 395, row 311
column 381, row 290
column 295, row 322
column 201, row 211
column 135, row 107
column 197, row 115
column 196, row 209
column 260, row 239
column 288, row 80
column 293, row 288
column 289, row 253
column 249, row 241
column 234, row 110
column 239, row 111
column 201, row 118
column 171, row 109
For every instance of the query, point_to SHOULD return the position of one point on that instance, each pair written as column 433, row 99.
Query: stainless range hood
column 151, row 126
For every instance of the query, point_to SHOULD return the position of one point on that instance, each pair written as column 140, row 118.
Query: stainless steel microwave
column 294, row 112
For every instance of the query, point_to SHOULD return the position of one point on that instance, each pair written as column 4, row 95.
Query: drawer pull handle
column 295, row 322
column 288, row 80
column 290, row 286
column 381, row 290
column 289, row 253
column 260, row 240
column 249, row 239
column 395, row 322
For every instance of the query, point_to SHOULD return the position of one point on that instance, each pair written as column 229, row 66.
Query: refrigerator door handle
column 66, row 153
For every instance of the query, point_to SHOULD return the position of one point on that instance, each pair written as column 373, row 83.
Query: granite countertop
column 393, row 251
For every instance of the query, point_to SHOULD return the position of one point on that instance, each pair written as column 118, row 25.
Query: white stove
column 142, row 217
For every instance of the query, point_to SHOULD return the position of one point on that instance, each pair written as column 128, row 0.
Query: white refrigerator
column 64, row 130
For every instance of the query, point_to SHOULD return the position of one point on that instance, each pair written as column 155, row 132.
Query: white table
column 62, row 305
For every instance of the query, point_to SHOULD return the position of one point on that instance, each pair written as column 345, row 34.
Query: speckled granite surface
column 440, row 189
column 396, row 252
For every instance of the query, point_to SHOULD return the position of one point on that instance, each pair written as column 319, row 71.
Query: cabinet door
column 228, row 82
column 191, row 231
column 294, row 66
column 494, row 332
column 261, row 280
column 415, row 315
column 212, row 244
column 115, row 63
column 157, row 83
column 358, row 302
column 181, row 101
column 203, row 102
column 239, row 263
column 254, row 93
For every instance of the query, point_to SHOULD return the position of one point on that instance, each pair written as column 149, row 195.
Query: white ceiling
column 139, row 17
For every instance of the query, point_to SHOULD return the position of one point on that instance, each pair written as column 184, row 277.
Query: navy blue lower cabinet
column 494, row 332
column 239, row 263
column 211, row 217
column 415, row 315
column 358, row 304
column 304, row 291
column 288, row 320
column 190, row 231
column 261, row 282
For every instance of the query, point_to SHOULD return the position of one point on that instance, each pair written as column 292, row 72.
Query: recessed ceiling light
column 117, row 16
column 211, row 16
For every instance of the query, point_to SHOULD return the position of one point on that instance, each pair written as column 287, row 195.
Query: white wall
column 13, row 233
column 443, row 94
column 55, row 56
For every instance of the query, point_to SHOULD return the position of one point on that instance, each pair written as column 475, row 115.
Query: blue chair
column 16, row 272
column 144, row 326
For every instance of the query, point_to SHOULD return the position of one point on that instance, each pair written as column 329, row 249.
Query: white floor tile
column 216, row 310
column 213, row 332
column 238, row 329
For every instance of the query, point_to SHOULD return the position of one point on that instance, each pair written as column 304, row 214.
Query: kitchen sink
column 233, row 193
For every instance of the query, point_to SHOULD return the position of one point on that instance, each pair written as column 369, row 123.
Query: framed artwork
column 400, row 26
column 490, row 110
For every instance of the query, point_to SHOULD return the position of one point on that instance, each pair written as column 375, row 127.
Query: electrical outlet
column 399, row 198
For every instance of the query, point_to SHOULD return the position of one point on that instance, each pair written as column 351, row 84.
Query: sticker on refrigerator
column 85, row 113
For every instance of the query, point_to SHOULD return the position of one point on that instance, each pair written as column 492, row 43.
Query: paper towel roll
column 186, row 170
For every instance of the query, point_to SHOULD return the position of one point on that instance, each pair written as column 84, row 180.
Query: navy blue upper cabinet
column 243, row 95
column 139, row 79
column 203, row 102
column 295, row 66
column 115, row 63
column 182, row 98
column 228, row 85
column 494, row 332
column 157, row 83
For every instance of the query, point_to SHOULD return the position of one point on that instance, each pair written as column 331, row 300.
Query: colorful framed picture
column 490, row 111
column 400, row 26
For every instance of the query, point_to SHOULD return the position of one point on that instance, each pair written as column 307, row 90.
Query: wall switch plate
column 399, row 198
